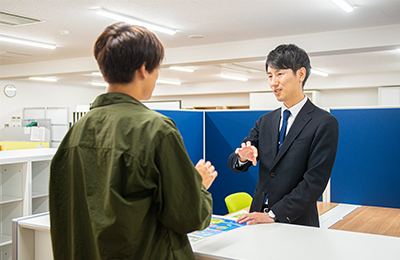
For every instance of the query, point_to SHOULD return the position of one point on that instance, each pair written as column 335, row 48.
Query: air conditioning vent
column 14, row 20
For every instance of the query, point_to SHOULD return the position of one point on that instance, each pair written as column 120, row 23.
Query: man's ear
column 142, row 72
column 301, row 73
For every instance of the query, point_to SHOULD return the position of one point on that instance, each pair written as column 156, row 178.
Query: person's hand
column 255, row 218
column 247, row 152
column 207, row 172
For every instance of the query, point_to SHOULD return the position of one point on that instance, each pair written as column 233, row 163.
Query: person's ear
column 142, row 72
column 301, row 73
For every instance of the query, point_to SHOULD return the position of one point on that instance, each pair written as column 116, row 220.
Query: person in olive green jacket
column 122, row 185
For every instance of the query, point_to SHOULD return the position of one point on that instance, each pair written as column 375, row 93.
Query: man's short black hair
column 289, row 56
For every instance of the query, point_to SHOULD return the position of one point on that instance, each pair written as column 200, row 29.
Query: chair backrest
column 238, row 201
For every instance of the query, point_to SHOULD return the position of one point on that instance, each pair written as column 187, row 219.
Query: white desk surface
column 284, row 241
column 280, row 241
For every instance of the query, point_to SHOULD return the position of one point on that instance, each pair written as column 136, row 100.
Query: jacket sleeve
column 233, row 158
column 319, row 167
column 184, row 203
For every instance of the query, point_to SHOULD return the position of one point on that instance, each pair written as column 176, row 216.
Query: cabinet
column 24, row 178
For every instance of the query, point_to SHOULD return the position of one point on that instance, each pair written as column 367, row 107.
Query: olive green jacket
column 123, row 187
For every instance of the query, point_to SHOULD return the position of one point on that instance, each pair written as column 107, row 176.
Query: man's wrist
column 240, row 162
column 273, row 216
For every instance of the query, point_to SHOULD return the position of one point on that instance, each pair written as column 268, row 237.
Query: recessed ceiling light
column 64, row 32
column 344, row 5
column 133, row 20
column 185, row 69
column 319, row 73
column 169, row 82
column 52, row 79
column 5, row 38
column 226, row 76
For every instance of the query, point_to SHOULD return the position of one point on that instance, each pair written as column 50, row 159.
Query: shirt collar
column 294, row 110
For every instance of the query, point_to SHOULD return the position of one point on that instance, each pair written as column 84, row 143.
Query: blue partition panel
column 225, row 131
column 367, row 166
column 190, row 125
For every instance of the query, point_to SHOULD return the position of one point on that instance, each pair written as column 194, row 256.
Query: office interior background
column 358, row 50
column 358, row 53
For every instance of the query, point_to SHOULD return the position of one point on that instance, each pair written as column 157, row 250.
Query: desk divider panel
column 366, row 170
column 367, row 166
column 225, row 130
column 190, row 125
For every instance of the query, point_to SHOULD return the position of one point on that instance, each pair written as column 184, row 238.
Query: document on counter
column 38, row 133
column 218, row 225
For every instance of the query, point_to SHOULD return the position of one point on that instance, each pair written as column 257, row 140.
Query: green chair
column 238, row 201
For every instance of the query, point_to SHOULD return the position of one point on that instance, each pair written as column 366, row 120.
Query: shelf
column 39, row 194
column 209, row 107
column 5, row 240
column 9, row 199
column 237, row 107
column 18, row 156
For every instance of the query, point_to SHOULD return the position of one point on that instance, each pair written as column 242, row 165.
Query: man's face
column 286, row 85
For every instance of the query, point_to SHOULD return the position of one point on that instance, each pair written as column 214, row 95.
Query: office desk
column 323, row 207
column 285, row 241
column 372, row 220
column 31, row 238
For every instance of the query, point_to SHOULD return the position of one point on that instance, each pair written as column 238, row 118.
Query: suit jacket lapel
column 275, row 130
column 299, row 123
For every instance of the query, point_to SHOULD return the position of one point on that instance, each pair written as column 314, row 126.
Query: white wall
column 357, row 97
column 190, row 101
column 365, row 97
column 38, row 94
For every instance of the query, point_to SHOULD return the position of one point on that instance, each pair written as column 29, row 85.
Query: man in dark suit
column 296, row 149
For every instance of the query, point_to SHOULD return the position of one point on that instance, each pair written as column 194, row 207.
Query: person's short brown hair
column 123, row 48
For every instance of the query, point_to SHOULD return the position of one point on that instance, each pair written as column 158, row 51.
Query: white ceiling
column 220, row 21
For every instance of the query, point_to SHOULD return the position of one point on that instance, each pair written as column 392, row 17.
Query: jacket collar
column 114, row 98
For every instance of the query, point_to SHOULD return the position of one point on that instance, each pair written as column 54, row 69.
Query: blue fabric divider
column 225, row 130
column 367, row 166
column 366, row 170
column 190, row 125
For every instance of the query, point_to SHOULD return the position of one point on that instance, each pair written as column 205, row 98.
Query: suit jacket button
column 272, row 174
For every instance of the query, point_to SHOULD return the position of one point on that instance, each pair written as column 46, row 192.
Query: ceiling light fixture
column 97, row 74
column 44, row 79
column 169, row 82
column 398, row 50
column 99, row 84
column 27, row 42
column 133, row 20
column 319, row 73
column 185, row 69
column 226, row 76
column 344, row 5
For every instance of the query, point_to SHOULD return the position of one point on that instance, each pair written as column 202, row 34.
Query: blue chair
column 238, row 201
